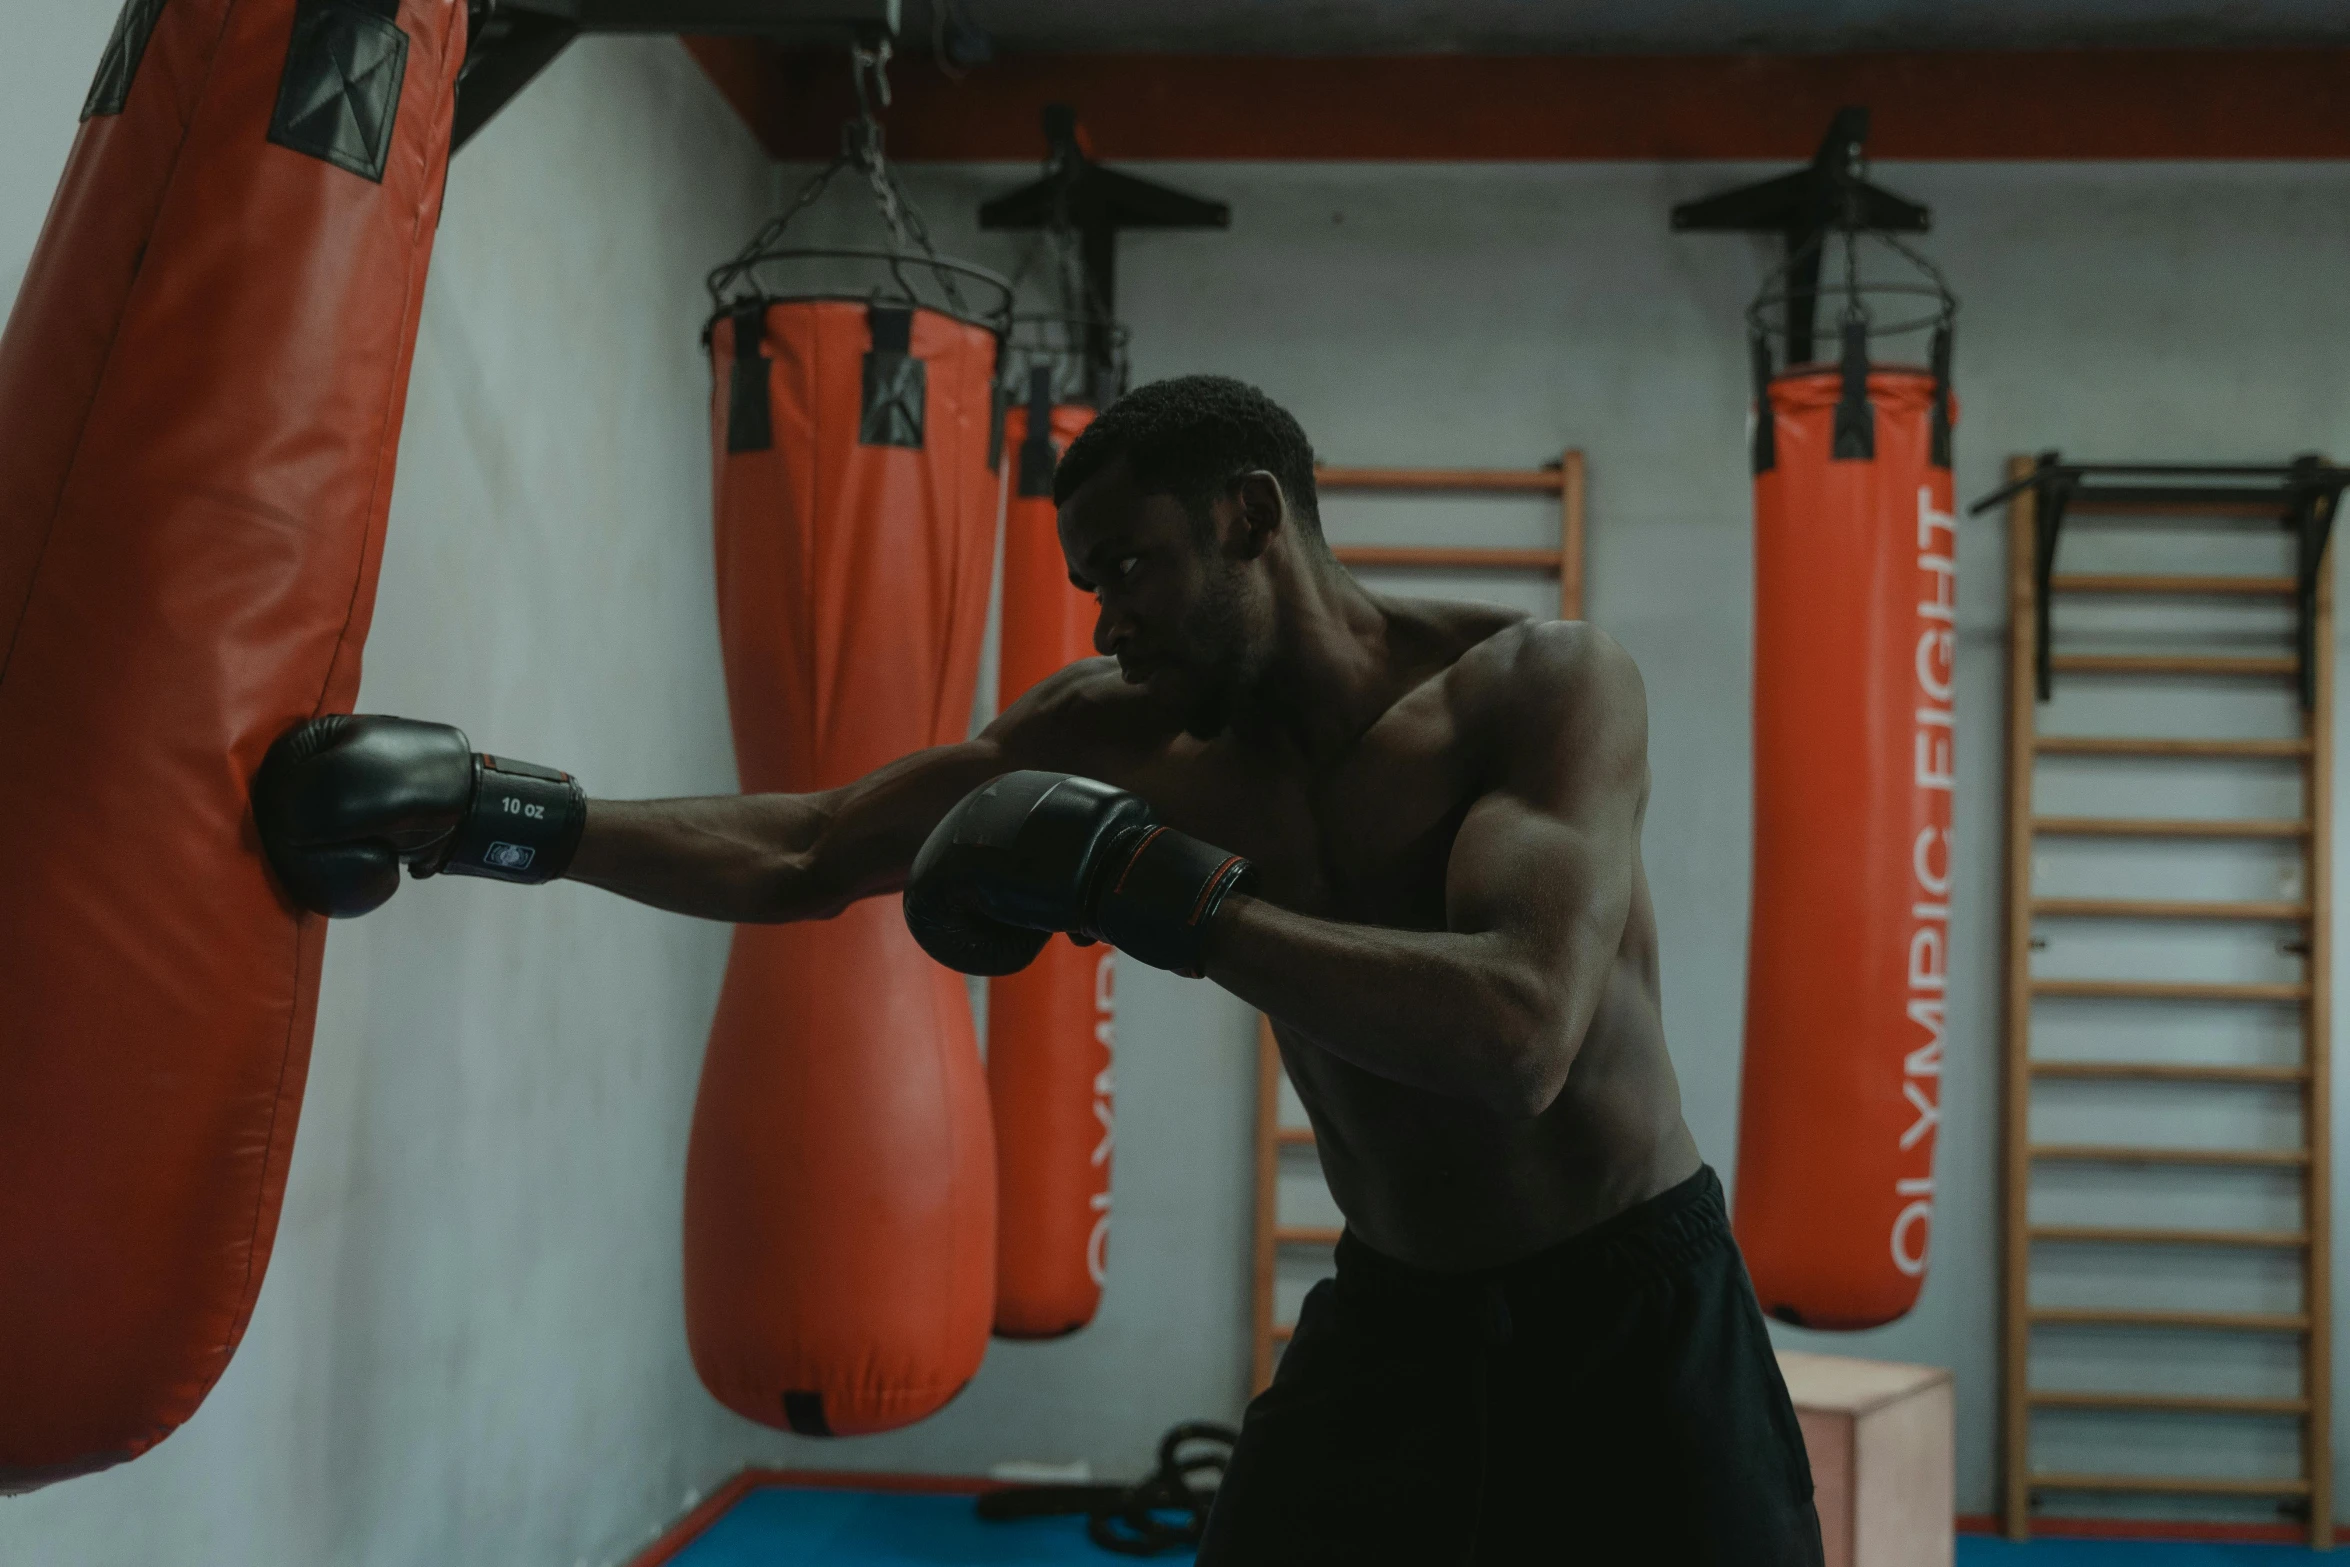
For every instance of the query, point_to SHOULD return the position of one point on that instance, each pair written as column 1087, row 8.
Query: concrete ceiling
column 1325, row 27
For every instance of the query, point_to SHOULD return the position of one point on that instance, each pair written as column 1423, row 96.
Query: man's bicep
column 1550, row 850
column 1520, row 870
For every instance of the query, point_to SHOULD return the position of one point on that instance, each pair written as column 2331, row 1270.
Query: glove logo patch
column 508, row 856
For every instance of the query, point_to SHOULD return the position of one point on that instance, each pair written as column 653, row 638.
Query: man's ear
column 1258, row 511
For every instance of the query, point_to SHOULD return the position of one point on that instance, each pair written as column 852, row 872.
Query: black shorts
column 1613, row 1399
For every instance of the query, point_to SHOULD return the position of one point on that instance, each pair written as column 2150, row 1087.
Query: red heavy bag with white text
column 1050, row 1027
column 200, row 396
column 840, row 1184
column 1848, row 950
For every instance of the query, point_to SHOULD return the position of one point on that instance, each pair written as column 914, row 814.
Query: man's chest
column 1365, row 838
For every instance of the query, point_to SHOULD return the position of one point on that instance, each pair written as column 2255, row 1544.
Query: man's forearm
column 1453, row 1013
column 741, row 858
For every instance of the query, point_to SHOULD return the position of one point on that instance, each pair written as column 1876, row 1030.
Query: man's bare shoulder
column 1542, row 687
column 1076, row 714
column 1540, row 663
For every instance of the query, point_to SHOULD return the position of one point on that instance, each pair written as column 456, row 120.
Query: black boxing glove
column 1031, row 853
column 342, row 802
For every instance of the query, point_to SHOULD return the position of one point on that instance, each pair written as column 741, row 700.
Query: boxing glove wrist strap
column 522, row 826
column 1159, row 896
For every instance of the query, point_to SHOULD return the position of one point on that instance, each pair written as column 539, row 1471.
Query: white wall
column 470, row 1347
column 1490, row 315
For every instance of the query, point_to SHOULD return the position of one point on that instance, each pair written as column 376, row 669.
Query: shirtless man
column 1407, row 831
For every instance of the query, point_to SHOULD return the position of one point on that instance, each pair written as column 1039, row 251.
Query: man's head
column 1171, row 505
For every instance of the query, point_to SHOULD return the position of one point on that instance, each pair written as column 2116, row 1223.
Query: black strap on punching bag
column 1766, row 434
column 750, row 424
column 895, row 381
column 118, row 67
column 1939, row 453
column 1037, row 459
column 1856, row 421
column 340, row 94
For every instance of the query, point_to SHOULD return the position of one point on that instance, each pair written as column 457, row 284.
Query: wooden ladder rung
column 2167, row 990
column 2166, row 909
column 1281, row 1332
column 1440, row 558
column 2169, row 1403
column 2166, row 1485
column 2170, row 1072
column 1307, row 1235
column 1295, row 1137
column 2156, row 746
column 1527, row 481
column 2165, row 827
column 2212, row 1158
column 2173, row 583
column 2196, row 1321
column 2102, row 1235
column 2233, row 664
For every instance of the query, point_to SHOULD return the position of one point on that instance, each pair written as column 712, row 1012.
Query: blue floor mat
column 1978, row 1551
column 775, row 1525
column 825, row 1528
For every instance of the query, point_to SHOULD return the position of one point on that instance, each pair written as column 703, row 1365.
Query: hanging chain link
column 861, row 148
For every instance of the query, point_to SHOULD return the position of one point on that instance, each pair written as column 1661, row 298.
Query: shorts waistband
column 1673, row 1227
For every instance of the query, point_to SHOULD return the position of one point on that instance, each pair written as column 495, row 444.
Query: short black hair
column 1190, row 436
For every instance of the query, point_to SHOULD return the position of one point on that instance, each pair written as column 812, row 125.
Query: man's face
column 1174, row 604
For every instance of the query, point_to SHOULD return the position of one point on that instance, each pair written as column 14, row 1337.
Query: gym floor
column 825, row 1526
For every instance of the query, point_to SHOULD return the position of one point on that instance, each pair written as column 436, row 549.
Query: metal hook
column 872, row 58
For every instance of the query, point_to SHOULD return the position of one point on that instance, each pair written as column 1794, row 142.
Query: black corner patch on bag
column 896, row 383
column 340, row 95
column 750, row 422
column 1939, row 449
column 1765, row 453
column 1856, row 418
column 1037, row 457
column 118, row 67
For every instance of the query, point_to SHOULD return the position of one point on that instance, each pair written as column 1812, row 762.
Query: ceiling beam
column 2084, row 104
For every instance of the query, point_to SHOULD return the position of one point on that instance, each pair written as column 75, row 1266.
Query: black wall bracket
column 508, row 42
column 1828, row 196
column 1093, row 201
column 2301, row 495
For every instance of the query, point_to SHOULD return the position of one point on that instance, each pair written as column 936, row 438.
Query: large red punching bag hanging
column 1050, row 1027
column 200, row 396
column 840, row 1184
column 1848, row 951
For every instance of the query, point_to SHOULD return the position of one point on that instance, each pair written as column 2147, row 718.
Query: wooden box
column 1881, row 1445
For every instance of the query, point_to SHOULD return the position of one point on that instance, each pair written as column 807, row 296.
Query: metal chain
column 861, row 148
column 1855, row 313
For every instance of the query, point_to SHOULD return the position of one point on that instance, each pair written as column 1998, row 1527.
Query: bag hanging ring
column 734, row 285
column 1049, row 338
column 1916, row 304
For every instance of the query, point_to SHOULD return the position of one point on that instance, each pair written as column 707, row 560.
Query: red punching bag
column 840, row 1185
column 1848, row 951
column 200, row 396
column 1050, row 1027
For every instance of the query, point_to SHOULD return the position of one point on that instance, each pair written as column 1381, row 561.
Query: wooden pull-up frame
column 1563, row 479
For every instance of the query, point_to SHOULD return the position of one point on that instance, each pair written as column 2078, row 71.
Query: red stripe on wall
column 2089, row 104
